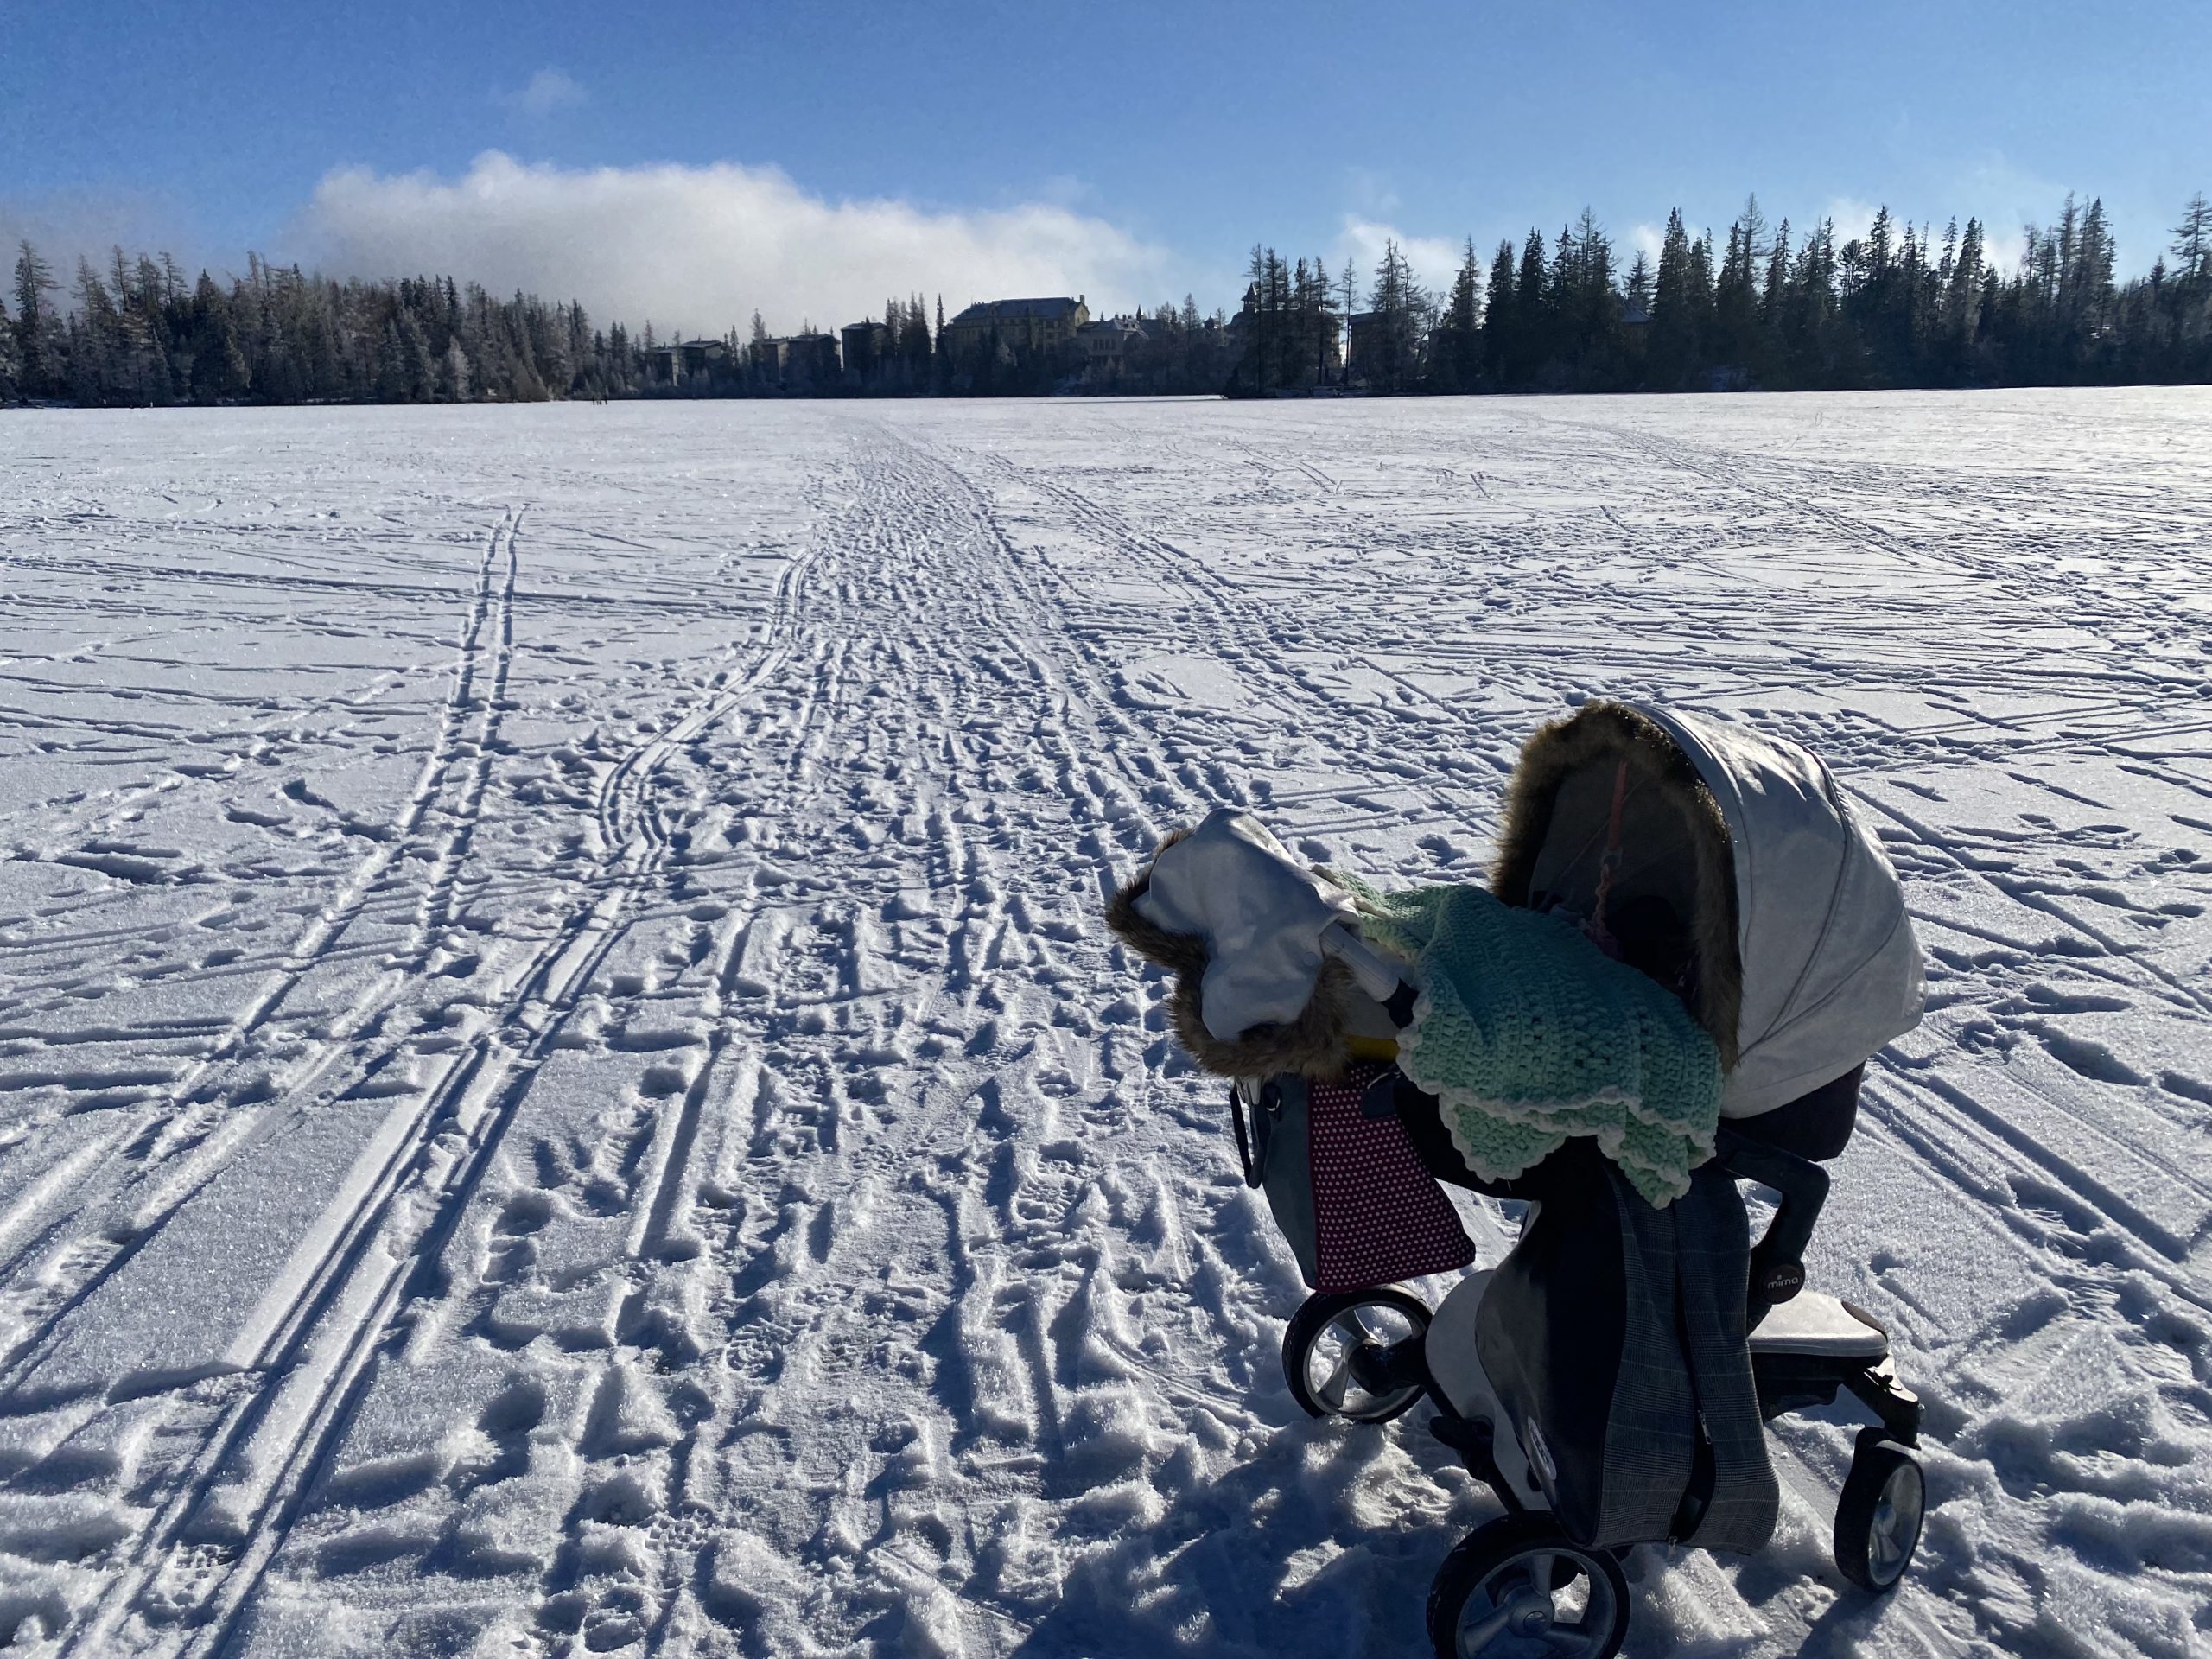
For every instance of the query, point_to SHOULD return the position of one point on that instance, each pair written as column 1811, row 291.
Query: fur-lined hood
column 1662, row 780
column 1796, row 953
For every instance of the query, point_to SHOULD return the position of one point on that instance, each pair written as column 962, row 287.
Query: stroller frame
column 1383, row 1350
column 1632, row 822
column 1729, row 867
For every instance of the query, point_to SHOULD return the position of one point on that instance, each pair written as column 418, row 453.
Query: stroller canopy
column 1788, row 924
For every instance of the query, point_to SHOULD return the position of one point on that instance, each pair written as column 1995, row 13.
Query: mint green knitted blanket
column 1531, row 1035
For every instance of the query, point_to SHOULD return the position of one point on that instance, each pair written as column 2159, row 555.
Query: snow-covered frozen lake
column 562, row 1088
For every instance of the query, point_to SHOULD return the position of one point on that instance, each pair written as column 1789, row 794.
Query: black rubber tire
column 1491, row 1548
column 1315, row 1315
column 1875, row 1535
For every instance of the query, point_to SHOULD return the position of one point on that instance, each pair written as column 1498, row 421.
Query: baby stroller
column 1609, row 1378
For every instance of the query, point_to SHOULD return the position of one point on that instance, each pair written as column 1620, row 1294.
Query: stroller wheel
column 1877, row 1518
column 1357, row 1354
column 1516, row 1588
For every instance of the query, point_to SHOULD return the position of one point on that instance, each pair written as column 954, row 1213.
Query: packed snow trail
column 565, row 1090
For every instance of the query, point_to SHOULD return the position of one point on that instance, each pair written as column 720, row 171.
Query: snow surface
column 562, row 1087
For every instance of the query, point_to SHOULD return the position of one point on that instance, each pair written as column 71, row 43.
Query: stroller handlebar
column 1777, row 1265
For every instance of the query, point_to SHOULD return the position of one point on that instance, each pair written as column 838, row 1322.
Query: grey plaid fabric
column 1650, row 1434
column 1713, row 1246
column 1685, row 1352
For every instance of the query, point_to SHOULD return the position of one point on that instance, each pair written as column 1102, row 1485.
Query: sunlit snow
column 562, row 1088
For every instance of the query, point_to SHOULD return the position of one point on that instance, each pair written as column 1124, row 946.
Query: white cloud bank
column 1435, row 261
column 699, row 248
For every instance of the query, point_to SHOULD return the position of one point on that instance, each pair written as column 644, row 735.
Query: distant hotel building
column 685, row 360
column 798, row 362
column 866, row 344
column 1020, row 324
column 1107, row 343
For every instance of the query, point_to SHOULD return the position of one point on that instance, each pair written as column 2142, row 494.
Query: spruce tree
column 1563, row 301
column 11, row 362
column 1393, row 305
column 1532, row 335
column 1700, row 297
column 453, row 373
column 392, row 378
column 34, row 323
column 1635, row 308
column 1500, row 347
column 1636, row 288
column 2192, row 243
column 1599, row 355
column 1736, row 293
column 95, row 341
column 1674, row 345
column 1460, row 360
column 1805, row 322
column 219, row 368
column 1774, row 292
column 1961, row 316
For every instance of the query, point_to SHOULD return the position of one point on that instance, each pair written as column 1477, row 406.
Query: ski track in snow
column 562, row 1088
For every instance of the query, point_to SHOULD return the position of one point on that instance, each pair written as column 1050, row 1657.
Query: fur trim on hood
column 1599, row 734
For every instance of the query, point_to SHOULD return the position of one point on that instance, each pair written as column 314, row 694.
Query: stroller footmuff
column 1609, row 1379
column 1632, row 1393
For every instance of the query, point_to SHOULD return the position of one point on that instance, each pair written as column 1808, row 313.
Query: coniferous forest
column 1766, row 307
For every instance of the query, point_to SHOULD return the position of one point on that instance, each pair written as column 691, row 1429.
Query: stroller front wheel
column 1877, row 1518
column 1357, row 1354
column 1516, row 1588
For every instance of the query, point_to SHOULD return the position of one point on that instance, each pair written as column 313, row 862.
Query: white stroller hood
column 1831, row 969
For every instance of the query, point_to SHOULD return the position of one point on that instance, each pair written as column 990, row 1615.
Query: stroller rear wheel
column 1877, row 1518
column 1357, row 1354
column 1516, row 1588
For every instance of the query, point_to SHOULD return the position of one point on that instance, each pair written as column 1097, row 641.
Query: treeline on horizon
column 1770, row 309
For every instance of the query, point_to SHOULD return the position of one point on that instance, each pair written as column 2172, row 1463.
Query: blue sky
column 1132, row 151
